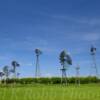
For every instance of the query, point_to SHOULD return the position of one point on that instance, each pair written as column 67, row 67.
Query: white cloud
column 78, row 51
column 92, row 37
column 47, row 75
column 82, row 20
column 25, row 64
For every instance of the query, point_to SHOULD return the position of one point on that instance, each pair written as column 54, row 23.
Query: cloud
column 78, row 51
column 25, row 64
column 3, row 58
column 92, row 37
column 81, row 20
column 49, row 75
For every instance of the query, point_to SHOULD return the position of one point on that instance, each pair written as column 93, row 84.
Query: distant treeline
column 53, row 80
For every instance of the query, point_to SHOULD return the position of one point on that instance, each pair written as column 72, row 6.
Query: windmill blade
column 2, row 74
column 12, row 71
column 18, row 65
column 38, row 51
column 69, row 60
column 93, row 49
column 65, row 57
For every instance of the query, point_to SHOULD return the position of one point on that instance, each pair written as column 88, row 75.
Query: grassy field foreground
column 51, row 92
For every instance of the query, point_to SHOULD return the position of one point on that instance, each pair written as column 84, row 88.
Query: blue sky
column 51, row 25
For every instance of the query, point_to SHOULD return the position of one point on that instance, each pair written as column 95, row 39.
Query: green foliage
column 53, row 80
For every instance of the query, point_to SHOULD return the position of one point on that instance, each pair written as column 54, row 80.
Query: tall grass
column 51, row 92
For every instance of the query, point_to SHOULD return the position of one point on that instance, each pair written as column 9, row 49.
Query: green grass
column 51, row 92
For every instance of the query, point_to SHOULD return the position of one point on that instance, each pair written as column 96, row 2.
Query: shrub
column 53, row 80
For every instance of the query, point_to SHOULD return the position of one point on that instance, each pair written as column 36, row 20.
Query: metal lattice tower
column 94, row 65
column 65, row 61
column 64, row 75
column 37, row 72
column 78, row 75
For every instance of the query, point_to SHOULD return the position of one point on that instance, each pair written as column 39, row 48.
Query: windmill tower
column 64, row 75
column 65, row 61
column 37, row 72
column 93, row 54
column 18, row 74
column 77, row 75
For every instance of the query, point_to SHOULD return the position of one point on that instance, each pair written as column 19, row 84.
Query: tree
column 14, row 64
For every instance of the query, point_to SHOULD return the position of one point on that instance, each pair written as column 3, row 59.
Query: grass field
column 51, row 92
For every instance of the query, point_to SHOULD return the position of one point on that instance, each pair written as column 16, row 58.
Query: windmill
column 38, row 52
column 6, row 73
column 78, row 75
column 18, row 74
column 93, row 54
column 65, row 61
column 1, row 75
column 14, row 64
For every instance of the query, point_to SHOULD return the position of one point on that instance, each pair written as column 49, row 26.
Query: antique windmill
column 93, row 54
column 65, row 61
column 37, row 72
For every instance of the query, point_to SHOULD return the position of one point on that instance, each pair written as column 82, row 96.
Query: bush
column 53, row 80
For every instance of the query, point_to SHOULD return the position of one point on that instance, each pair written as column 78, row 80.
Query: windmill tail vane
column 93, row 50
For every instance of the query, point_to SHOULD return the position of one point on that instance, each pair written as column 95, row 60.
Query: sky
column 51, row 26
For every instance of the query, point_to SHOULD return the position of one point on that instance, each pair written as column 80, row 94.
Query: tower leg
column 64, row 77
column 37, row 73
column 95, row 66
